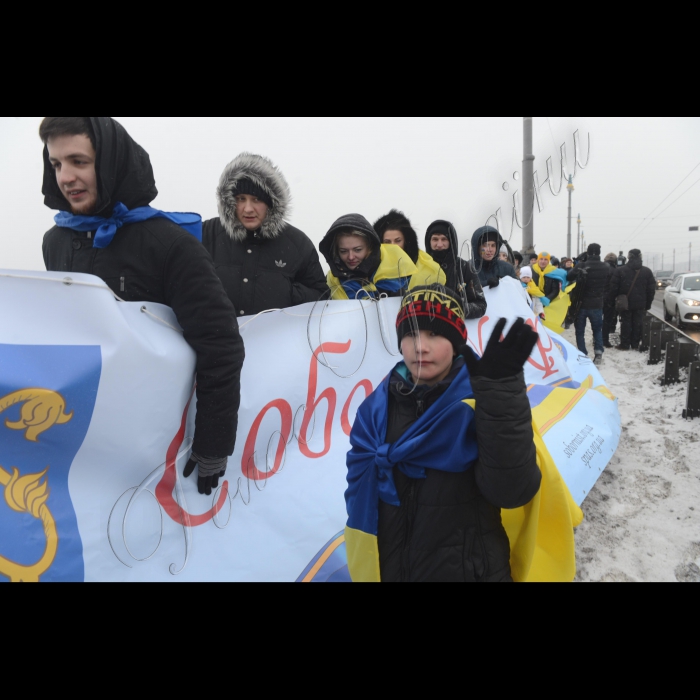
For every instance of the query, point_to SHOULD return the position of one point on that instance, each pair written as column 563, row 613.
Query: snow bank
column 643, row 517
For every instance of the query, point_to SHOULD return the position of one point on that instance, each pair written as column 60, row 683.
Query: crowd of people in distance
column 250, row 260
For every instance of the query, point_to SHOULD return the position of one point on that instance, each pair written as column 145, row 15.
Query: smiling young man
column 264, row 263
column 101, row 182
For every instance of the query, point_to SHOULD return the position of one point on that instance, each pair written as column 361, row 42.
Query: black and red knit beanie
column 436, row 309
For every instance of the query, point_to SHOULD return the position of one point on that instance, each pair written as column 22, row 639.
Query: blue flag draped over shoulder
column 443, row 438
column 107, row 228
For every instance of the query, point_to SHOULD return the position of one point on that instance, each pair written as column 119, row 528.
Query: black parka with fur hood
column 275, row 267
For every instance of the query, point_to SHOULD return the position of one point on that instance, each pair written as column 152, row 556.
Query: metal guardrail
column 665, row 343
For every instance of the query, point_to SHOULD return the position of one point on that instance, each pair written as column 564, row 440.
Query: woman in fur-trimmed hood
column 263, row 262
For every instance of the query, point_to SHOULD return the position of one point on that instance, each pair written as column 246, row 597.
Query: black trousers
column 609, row 322
column 631, row 328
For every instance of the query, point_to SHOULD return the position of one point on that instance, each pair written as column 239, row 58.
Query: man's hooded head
column 444, row 230
column 257, row 177
column 397, row 221
column 122, row 169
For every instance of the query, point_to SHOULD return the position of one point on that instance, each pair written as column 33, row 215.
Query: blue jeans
column 596, row 317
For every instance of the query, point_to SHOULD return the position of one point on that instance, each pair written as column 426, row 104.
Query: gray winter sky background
column 641, row 188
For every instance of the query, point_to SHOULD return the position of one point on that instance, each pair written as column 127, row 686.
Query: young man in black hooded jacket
column 93, row 171
column 442, row 244
column 486, row 245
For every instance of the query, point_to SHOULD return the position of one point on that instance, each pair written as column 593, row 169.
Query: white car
column 682, row 300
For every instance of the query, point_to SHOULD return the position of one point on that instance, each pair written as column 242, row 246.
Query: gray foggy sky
column 429, row 167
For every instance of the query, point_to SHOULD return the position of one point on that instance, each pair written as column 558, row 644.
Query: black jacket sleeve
column 473, row 293
column 614, row 289
column 310, row 283
column 507, row 473
column 207, row 316
column 651, row 289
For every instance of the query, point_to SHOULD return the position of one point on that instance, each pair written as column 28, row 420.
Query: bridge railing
column 665, row 343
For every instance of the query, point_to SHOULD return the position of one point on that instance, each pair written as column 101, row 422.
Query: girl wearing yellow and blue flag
column 439, row 449
column 361, row 267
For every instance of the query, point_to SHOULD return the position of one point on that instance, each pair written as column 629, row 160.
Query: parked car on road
column 663, row 279
column 682, row 300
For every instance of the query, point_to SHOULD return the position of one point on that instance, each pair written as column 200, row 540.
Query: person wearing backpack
column 632, row 290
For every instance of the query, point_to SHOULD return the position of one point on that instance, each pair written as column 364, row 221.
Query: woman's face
column 394, row 238
column 353, row 251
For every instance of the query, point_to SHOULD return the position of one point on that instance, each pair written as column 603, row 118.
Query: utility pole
column 578, row 254
column 674, row 262
column 663, row 259
column 571, row 188
column 528, row 188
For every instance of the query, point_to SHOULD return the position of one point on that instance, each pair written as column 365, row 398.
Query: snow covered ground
column 643, row 518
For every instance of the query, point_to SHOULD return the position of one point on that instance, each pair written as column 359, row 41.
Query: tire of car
column 667, row 316
column 681, row 325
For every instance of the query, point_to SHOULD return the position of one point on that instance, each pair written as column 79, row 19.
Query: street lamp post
column 578, row 240
column 571, row 188
column 528, row 188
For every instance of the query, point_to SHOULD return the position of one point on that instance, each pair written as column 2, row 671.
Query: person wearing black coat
column 442, row 244
column 486, row 245
column 439, row 515
column 149, row 261
column 639, row 284
column 610, row 314
column 264, row 263
column 594, row 276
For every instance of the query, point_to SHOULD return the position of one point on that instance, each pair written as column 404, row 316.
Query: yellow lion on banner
column 42, row 410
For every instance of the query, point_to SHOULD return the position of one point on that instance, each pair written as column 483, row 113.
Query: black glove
column 502, row 360
column 210, row 471
column 493, row 282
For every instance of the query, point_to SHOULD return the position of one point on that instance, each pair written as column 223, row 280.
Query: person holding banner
column 264, row 263
column 439, row 449
column 396, row 229
column 442, row 242
column 101, row 182
column 486, row 244
column 361, row 266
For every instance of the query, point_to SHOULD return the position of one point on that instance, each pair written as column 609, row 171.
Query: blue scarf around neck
column 107, row 228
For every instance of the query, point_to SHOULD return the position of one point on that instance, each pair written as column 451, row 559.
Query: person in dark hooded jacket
column 361, row 267
column 639, row 284
column 610, row 314
column 264, row 263
column 101, row 181
column 486, row 245
column 442, row 244
column 439, row 449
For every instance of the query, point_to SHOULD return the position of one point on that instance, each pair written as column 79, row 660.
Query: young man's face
column 73, row 160
column 353, row 251
column 489, row 249
column 251, row 211
column 543, row 263
column 394, row 238
column 428, row 357
column 439, row 243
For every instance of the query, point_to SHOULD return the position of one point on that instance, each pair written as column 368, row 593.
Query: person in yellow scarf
column 360, row 266
column 553, row 284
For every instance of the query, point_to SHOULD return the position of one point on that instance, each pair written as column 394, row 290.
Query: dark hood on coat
column 124, row 171
column 397, row 221
column 264, row 174
column 444, row 228
column 348, row 224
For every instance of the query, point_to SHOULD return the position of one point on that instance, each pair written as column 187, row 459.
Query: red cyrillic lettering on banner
column 312, row 402
column 164, row 490
column 345, row 417
column 248, row 466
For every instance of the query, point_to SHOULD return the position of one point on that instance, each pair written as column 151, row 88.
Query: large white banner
column 96, row 425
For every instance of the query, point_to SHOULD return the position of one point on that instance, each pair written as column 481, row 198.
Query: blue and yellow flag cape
column 541, row 534
column 556, row 312
column 393, row 276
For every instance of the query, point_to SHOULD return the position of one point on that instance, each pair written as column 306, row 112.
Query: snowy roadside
column 643, row 517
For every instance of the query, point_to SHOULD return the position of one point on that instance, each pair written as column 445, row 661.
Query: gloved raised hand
column 210, row 471
column 502, row 360
column 493, row 282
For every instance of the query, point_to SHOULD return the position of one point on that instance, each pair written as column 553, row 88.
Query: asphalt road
column 658, row 310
